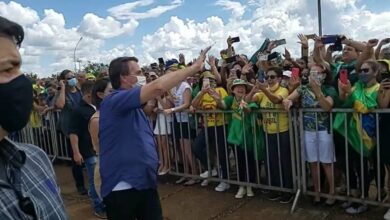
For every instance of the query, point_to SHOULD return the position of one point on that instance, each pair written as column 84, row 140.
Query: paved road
column 203, row 203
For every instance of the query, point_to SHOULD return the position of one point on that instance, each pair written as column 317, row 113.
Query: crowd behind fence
column 349, row 176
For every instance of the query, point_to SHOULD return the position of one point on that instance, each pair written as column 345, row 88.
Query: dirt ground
column 198, row 203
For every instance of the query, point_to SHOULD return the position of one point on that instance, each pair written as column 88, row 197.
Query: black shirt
column 79, row 125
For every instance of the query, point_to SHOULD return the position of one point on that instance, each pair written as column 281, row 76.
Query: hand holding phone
column 344, row 76
column 295, row 73
column 235, row 39
column 280, row 42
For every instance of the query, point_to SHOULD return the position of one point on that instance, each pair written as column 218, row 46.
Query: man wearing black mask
column 28, row 188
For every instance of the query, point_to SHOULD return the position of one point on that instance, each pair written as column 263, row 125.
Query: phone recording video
column 280, row 42
column 344, row 76
column 235, row 39
column 231, row 59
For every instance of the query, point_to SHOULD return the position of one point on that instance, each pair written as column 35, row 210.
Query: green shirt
column 350, row 67
column 309, row 101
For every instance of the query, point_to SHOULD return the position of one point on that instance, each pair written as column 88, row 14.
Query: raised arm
column 168, row 81
column 359, row 46
column 304, row 45
column 379, row 48
column 60, row 96
column 367, row 53
column 214, row 70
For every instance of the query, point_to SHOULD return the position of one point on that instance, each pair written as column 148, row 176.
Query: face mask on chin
column 15, row 109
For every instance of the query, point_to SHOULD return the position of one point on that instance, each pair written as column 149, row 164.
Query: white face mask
column 141, row 80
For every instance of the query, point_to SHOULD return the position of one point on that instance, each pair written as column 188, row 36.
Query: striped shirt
column 28, row 176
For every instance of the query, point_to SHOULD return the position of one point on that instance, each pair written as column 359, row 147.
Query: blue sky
column 115, row 28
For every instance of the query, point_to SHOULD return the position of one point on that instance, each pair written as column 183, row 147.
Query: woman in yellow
column 275, row 126
column 209, row 98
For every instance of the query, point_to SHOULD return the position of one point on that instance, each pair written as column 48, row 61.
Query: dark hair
column 118, row 67
column 277, row 70
column 63, row 74
column 87, row 87
column 12, row 30
column 100, row 86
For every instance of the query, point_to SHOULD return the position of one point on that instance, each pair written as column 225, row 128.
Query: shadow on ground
column 203, row 203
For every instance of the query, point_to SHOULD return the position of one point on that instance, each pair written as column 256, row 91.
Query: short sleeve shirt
column 308, row 100
column 208, row 103
column 273, row 122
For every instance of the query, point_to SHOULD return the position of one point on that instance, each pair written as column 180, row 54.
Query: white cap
column 287, row 73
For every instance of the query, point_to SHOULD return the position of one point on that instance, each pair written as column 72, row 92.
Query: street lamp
column 74, row 54
column 319, row 18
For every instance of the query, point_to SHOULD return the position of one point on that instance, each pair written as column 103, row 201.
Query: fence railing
column 269, row 149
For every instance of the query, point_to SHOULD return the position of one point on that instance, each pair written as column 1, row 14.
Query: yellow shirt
column 208, row 103
column 270, row 122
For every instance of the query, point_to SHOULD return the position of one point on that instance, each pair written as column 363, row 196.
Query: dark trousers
column 284, row 160
column 215, row 136
column 355, row 172
column 242, row 157
column 355, row 168
column 133, row 204
column 77, row 170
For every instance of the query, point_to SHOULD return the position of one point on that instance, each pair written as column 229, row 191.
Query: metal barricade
column 242, row 165
column 351, row 162
column 42, row 131
column 194, row 145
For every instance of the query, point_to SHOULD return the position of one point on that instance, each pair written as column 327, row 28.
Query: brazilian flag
column 361, row 129
column 244, row 130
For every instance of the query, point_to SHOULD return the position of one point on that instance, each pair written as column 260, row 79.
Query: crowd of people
column 99, row 115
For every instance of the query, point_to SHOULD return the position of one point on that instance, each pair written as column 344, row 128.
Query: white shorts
column 319, row 147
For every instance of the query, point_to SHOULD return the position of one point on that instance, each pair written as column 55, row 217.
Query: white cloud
column 126, row 11
column 101, row 28
column 237, row 8
column 274, row 19
column 50, row 43
column 16, row 12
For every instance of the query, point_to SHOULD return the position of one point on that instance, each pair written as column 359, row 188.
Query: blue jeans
column 90, row 164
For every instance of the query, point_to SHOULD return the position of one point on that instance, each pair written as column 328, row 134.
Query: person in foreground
column 128, row 156
column 28, row 188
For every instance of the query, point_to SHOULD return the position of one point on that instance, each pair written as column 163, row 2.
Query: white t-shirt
column 179, row 100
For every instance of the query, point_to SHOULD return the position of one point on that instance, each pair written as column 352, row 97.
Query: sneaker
column 190, row 182
column 346, row 205
column 181, row 180
column 206, row 173
column 357, row 209
column 387, row 215
column 241, row 192
column 249, row 191
column 330, row 202
column 101, row 214
column 222, row 187
column 273, row 196
column 286, row 198
column 204, row 183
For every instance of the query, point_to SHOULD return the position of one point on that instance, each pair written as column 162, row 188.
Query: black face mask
column 16, row 98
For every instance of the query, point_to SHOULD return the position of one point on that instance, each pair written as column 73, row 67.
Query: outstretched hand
column 199, row 63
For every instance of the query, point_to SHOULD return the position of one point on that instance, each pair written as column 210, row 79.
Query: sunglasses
column 364, row 70
column 70, row 78
column 270, row 77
